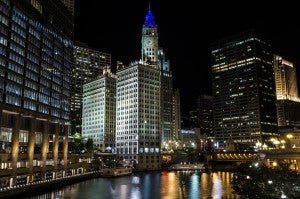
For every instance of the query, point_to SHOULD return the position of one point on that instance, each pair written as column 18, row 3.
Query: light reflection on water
column 150, row 185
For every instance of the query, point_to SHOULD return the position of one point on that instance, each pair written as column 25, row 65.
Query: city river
column 150, row 185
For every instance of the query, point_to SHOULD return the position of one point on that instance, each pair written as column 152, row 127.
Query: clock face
column 149, row 42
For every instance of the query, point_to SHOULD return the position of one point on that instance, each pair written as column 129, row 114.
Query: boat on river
column 185, row 167
column 115, row 172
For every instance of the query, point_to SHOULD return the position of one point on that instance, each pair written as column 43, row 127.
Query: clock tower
column 150, row 40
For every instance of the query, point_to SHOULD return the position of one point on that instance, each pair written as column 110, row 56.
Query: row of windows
column 17, row 39
column 30, row 94
column 34, row 33
column 15, row 78
column 17, row 29
column 31, row 75
column 17, row 49
column 16, row 58
column 19, row 21
column 13, row 100
column 16, row 68
column 31, row 84
column 3, row 41
column 3, row 19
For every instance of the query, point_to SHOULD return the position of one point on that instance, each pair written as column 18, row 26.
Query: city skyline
column 185, row 33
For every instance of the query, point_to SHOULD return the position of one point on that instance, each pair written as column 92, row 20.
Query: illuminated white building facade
column 99, row 108
column 138, row 116
column 138, row 107
column 88, row 64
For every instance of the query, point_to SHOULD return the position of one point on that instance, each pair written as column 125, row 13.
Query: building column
column 31, row 143
column 1, row 115
column 15, row 146
column 55, row 146
column 45, row 147
column 65, row 146
column 297, row 165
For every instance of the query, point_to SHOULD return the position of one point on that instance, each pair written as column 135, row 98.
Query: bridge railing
column 232, row 156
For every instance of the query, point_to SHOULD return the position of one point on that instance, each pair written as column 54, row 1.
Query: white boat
column 115, row 172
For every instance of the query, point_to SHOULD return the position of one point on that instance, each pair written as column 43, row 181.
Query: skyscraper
column 205, row 113
column 288, row 102
column 285, row 79
column 99, row 110
column 176, row 114
column 244, row 101
column 88, row 64
column 36, row 53
column 166, row 97
column 138, row 116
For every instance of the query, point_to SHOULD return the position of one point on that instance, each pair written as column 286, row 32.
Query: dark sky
column 186, row 29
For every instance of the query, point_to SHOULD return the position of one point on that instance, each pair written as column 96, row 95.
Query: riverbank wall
column 41, row 187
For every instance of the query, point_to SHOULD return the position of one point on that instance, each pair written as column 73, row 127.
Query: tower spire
column 149, row 23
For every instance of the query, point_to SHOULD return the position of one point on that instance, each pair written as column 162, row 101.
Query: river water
column 150, row 185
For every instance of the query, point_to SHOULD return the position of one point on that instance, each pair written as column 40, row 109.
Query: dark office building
column 166, row 97
column 289, row 112
column 36, row 53
column 205, row 114
column 244, row 101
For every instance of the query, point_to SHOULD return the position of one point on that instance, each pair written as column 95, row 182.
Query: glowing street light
column 289, row 136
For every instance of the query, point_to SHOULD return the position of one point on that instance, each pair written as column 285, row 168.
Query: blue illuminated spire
column 149, row 23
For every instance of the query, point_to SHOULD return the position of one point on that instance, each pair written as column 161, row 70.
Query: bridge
column 269, row 157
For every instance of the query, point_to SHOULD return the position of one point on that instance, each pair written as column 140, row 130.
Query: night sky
column 186, row 29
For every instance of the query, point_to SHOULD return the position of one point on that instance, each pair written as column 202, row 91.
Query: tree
column 89, row 145
column 254, row 180
column 79, row 145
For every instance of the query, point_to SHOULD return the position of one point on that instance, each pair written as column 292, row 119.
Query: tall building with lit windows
column 88, row 64
column 138, row 108
column 36, row 58
column 288, row 101
column 244, row 100
column 285, row 79
column 176, row 114
column 99, row 110
column 205, row 114
column 166, row 97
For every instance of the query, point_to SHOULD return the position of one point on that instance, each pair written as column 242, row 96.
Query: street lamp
column 258, row 144
column 275, row 142
column 289, row 137
column 283, row 144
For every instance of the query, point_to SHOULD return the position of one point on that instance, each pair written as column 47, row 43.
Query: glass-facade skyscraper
column 244, row 100
column 36, row 58
column 88, row 65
